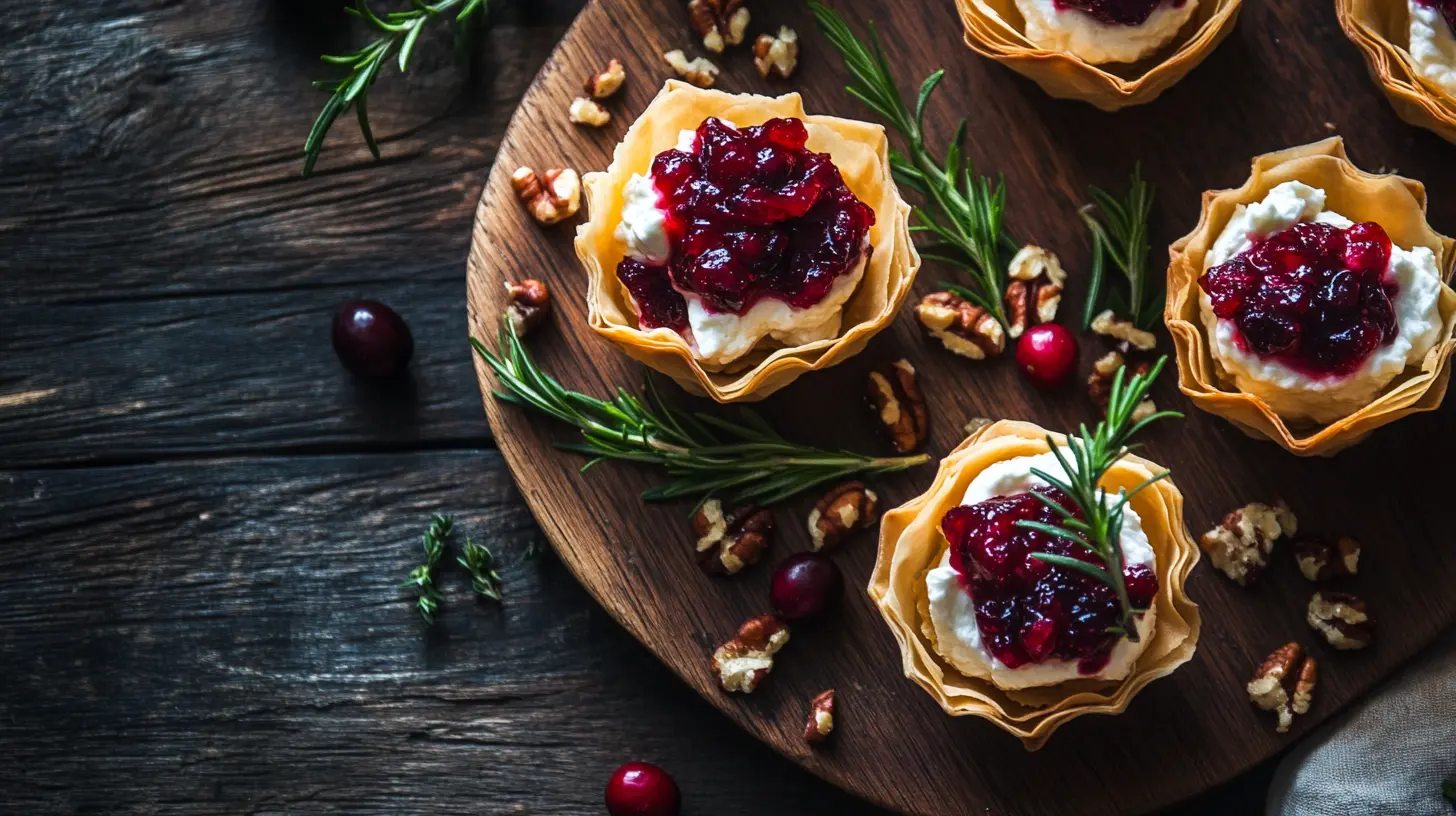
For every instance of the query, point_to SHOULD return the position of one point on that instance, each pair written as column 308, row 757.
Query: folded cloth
column 1387, row 756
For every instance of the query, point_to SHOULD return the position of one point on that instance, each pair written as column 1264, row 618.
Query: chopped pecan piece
column 589, row 112
column 1104, row 372
column 700, row 71
column 743, row 662
column 530, row 304
column 975, row 424
column 895, row 398
column 720, row 23
column 1240, row 546
column 1117, row 328
column 961, row 326
column 1269, row 689
column 1034, row 290
column 550, row 197
column 843, row 510
column 1304, row 685
column 776, row 54
column 606, row 83
column 728, row 542
column 1322, row 560
column 821, row 717
column 1342, row 619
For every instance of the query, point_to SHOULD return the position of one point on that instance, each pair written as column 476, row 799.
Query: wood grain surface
column 1286, row 77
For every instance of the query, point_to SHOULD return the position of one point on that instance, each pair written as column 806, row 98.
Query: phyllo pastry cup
column 861, row 153
column 1397, row 204
column 996, row 29
column 1381, row 29
column 911, row 544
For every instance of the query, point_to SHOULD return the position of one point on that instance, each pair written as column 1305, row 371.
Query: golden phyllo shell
column 911, row 544
column 1397, row 204
column 997, row 29
column 1381, row 28
column 861, row 152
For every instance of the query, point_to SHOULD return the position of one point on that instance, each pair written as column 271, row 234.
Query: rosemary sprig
column 1121, row 234
column 967, row 208
column 703, row 455
column 399, row 31
column 480, row 562
column 422, row 578
column 1094, row 454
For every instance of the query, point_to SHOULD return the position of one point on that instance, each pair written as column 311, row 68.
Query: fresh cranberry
column 1027, row 610
column 1313, row 296
column 371, row 339
column 642, row 789
column 751, row 214
column 1047, row 354
column 804, row 585
column 1117, row 12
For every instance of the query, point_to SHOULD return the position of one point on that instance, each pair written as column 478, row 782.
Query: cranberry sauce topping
column 751, row 214
column 1029, row 611
column 1117, row 12
column 1314, row 297
column 1447, row 9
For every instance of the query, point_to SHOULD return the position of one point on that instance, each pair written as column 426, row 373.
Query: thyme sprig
column 422, row 578
column 1120, row 235
column 704, row 455
column 966, row 210
column 1094, row 453
column 399, row 31
column 480, row 562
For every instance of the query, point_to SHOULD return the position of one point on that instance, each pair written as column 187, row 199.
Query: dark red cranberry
column 642, row 789
column 1367, row 249
column 804, row 585
column 371, row 339
column 1118, row 12
column 657, row 302
column 1027, row 610
column 1047, row 354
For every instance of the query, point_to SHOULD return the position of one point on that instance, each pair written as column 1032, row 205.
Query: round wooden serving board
column 1286, row 76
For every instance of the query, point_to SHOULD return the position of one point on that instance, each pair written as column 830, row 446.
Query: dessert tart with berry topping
column 991, row 630
column 736, row 242
column 1410, row 48
column 1310, row 306
column 1111, row 53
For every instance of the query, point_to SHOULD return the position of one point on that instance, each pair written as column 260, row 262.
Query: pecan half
column 728, row 542
column 1342, row 619
column 776, row 54
column 1241, row 544
column 843, row 510
column 1034, row 289
column 1320, row 559
column 1269, row 689
column 821, row 717
column 1104, row 373
column 719, row 22
column 742, row 663
column 589, row 112
column 1117, row 328
column 529, row 305
column 896, row 400
column 550, row 197
column 961, row 326
column 607, row 82
column 700, row 71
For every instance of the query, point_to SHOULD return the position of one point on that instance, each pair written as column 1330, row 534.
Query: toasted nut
column 719, row 22
column 1268, row 689
column 728, row 542
column 550, row 197
column 1104, row 373
column 1035, row 289
column 699, row 71
column 743, row 662
column 1321, row 560
column 776, row 54
column 976, row 424
column 1304, row 686
column 607, row 82
column 589, row 112
column 530, row 304
column 961, row 326
column 1341, row 619
column 821, row 717
column 843, row 510
column 1240, row 546
column 895, row 398
column 1119, row 329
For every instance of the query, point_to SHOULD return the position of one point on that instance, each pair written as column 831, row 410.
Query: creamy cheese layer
column 1080, row 34
column 1433, row 46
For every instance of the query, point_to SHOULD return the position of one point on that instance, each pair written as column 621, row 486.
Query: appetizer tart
column 1310, row 305
column 735, row 242
column 1410, row 48
column 1111, row 53
column 988, row 630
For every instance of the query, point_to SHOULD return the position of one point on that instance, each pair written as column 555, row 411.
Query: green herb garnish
column 968, row 209
column 704, row 455
column 1095, row 453
column 1121, row 235
column 399, row 31
column 480, row 562
column 422, row 578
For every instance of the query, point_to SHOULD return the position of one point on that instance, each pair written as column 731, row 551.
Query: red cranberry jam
column 751, row 214
column 1314, row 297
column 1117, row 12
column 1447, row 9
column 1029, row 611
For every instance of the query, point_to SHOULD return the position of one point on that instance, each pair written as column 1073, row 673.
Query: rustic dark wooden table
column 204, row 520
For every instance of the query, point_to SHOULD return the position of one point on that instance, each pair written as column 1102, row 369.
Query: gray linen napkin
column 1387, row 756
